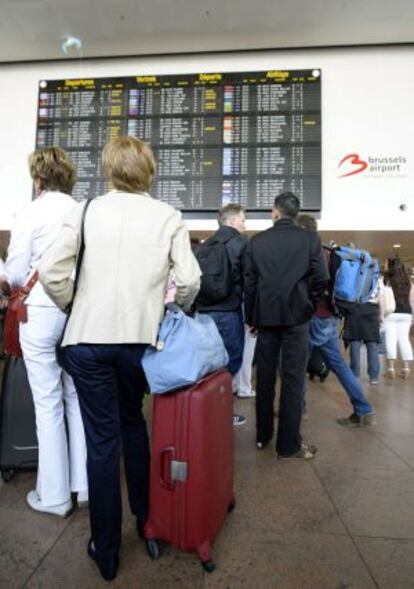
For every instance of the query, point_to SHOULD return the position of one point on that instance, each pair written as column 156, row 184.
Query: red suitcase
column 191, row 485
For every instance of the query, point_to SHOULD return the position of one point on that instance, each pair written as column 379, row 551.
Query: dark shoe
column 353, row 420
column 109, row 570
column 356, row 420
column 261, row 445
column 368, row 419
column 239, row 420
column 306, row 452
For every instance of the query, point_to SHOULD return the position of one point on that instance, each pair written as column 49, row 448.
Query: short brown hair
column 129, row 164
column 307, row 222
column 228, row 212
column 54, row 168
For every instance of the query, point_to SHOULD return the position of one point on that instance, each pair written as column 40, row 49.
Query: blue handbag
column 188, row 348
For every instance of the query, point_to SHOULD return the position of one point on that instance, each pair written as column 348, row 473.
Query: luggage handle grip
column 165, row 464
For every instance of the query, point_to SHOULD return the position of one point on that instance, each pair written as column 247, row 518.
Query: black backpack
column 317, row 366
column 216, row 279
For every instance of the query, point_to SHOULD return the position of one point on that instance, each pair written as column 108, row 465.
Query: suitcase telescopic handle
column 166, row 456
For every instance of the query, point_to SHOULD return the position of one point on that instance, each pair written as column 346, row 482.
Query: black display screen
column 218, row 138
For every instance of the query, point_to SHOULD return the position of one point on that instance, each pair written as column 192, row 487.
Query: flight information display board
column 218, row 138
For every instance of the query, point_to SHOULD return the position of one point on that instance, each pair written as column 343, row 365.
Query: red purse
column 16, row 313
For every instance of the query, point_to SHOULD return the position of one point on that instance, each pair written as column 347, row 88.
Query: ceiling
column 33, row 30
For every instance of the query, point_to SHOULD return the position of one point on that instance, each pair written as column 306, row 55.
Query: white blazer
column 34, row 230
column 132, row 241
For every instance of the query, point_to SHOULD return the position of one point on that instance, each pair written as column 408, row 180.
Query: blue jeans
column 231, row 327
column 372, row 359
column 324, row 335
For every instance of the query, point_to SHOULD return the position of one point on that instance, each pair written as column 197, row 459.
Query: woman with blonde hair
column 62, row 457
column 131, row 242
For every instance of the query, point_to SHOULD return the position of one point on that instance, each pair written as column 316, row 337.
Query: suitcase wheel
column 208, row 565
column 153, row 548
column 6, row 475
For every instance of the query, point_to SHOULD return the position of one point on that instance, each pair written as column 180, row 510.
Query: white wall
column 367, row 108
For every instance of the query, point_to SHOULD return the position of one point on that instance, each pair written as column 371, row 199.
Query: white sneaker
column 244, row 395
column 83, row 498
column 35, row 503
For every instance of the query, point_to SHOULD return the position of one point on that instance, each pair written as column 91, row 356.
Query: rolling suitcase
column 18, row 440
column 191, row 482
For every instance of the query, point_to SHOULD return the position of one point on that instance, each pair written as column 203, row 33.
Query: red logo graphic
column 353, row 159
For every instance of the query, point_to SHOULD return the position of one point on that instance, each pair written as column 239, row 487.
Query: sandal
column 306, row 452
column 390, row 373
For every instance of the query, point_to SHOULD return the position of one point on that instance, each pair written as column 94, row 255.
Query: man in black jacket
column 227, row 312
column 285, row 274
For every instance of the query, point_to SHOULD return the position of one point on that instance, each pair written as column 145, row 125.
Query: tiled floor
column 344, row 520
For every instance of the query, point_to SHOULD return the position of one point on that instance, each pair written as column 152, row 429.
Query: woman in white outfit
column 397, row 324
column 62, row 461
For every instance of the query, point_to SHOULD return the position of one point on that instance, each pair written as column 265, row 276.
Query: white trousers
column 243, row 379
column 397, row 334
column 62, row 462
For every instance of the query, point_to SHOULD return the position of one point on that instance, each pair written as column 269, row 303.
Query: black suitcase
column 18, row 440
column 317, row 365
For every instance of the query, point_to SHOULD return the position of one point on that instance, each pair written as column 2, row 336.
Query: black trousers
column 111, row 384
column 291, row 345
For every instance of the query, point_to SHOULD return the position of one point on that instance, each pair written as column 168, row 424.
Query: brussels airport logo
column 372, row 166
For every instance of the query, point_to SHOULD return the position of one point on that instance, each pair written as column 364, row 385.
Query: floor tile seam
column 375, row 435
column 299, row 531
column 48, row 551
column 349, row 466
column 396, row 538
column 335, row 507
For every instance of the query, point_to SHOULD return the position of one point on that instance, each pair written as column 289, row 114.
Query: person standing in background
column 325, row 338
column 62, row 453
column 285, row 275
column 397, row 324
column 132, row 242
column 362, row 326
column 226, row 311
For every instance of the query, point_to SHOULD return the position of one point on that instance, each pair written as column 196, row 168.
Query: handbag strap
column 25, row 290
column 81, row 249
column 78, row 267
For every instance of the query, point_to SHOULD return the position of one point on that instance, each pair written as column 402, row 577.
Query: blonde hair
column 129, row 164
column 229, row 212
column 54, row 169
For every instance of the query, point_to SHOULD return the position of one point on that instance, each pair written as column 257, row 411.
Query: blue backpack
column 357, row 276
